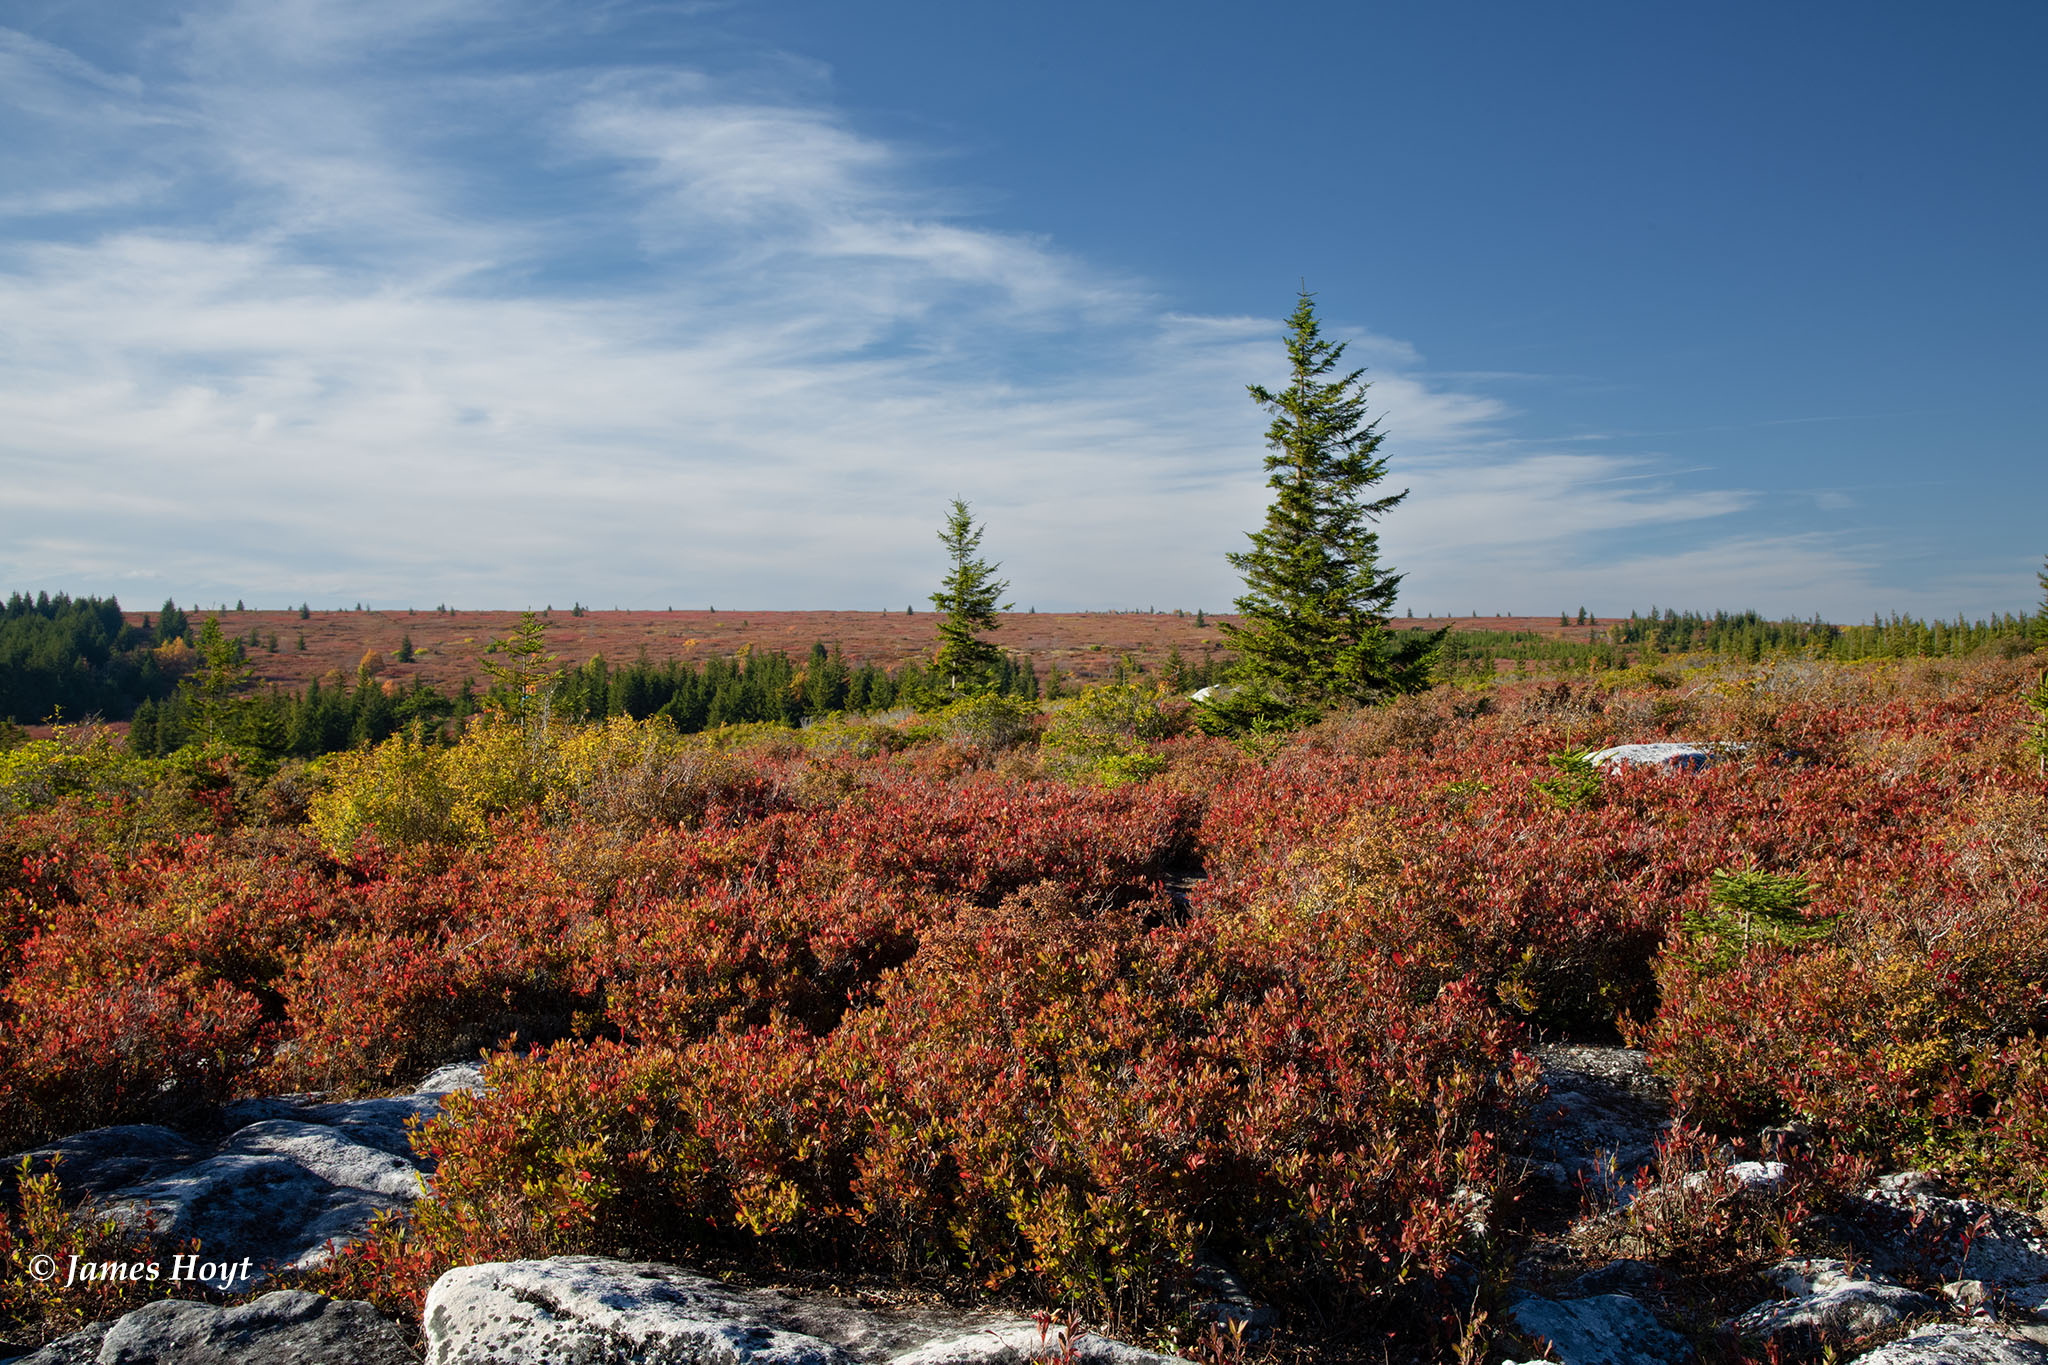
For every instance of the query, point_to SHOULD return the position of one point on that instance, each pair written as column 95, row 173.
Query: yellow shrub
column 500, row 765
column 1106, row 732
column 400, row 790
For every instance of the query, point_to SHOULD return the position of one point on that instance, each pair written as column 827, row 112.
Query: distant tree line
column 1744, row 636
column 78, row 657
column 277, row 724
column 1748, row 636
column 756, row 686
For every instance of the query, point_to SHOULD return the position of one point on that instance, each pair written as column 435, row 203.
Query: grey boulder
column 1913, row 1229
column 294, row 1178
column 285, row 1328
column 2031, row 1299
column 1606, row 1329
column 586, row 1310
column 1671, row 758
column 1829, row 1301
column 105, row 1159
column 1956, row 1343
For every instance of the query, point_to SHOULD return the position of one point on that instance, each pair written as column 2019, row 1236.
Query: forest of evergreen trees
column 1744, row 636
column 759, row 687
column 77, row 658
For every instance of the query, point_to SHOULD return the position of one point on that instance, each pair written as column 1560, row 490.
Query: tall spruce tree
column 2041, row 620
column 523, row 687
column 1313, row 630
column 214, row 691
column 966, row 665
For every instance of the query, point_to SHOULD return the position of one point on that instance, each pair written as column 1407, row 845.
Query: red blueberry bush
column 936, row 1007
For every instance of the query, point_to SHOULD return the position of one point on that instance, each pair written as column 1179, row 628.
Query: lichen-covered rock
column 285, row 1328
column 2030, row 1299
column 1828, row 1301
column 1598, row 1123
column 1957, row 1343
column 266, row 1205
column 1910, row 1229
column 585, row 1309
column 105, row 1159
column 294, row 1176
column 1606, row 1329
column 570, row 1309
column 1759, row 1177
column 1675, row 758
column 79, row 1348
column 1222, row 1299
column 1626, row 1276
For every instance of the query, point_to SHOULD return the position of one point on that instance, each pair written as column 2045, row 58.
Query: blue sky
column 643, row 304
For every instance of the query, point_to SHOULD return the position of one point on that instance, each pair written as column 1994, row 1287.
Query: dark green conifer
column 1313, row 632
column 171, row 623
column 966, row 664
column 2041, row 620
column 142, row 731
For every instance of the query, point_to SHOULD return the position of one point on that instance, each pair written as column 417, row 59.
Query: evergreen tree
column 965, row 664
column 142, row 731
column 827, row 681
column 215, row 704
column 2041, row 621
column 523, row 686
column 1313, row 631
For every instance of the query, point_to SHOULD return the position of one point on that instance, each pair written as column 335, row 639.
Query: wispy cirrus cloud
column 399, row 302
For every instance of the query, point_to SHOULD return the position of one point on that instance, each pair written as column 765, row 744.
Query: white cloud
column 530, row 332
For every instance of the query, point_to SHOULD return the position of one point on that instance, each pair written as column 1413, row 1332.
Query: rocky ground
column 1924, row 1275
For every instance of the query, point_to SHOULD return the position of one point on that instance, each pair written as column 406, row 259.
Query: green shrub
column 1577, row 782
column 89, row 763
column 1105, row 733
column 988, row 722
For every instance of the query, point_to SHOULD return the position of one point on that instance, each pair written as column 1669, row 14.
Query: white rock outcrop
column 288, row 1327
column 294, row 1177
column 1674, row 758
column 1606, row 1329
column 1925, row 1232
column 587, row 1308
column 1957, row 1343
column 1829, row 1301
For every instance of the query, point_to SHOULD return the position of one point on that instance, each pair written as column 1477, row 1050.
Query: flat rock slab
column 1598, row 1124
column 295, row 1174
column 1912, row 1230
column 1670, row 758
column 1953, row 1343
column 1606, row 1329
column 106, row 1159
column 586, row 1310
column 284, row 1328
column 1842, row 1313
column 2031, row 1299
